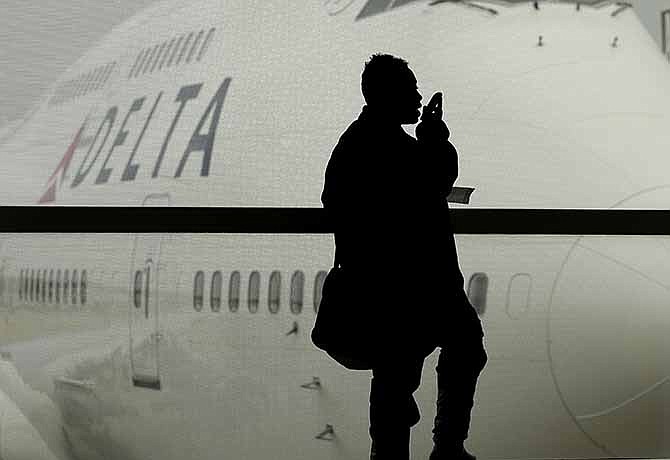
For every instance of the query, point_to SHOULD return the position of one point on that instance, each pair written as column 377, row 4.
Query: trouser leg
column 393, row 409
column 461, row 360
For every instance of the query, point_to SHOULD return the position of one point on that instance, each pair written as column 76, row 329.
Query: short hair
column 379, row 76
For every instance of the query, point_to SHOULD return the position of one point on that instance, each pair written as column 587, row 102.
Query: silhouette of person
column 386, row 194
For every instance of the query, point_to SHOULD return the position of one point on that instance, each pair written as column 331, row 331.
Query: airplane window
column 88, row 81
column 518, row 295
column 175, row 50
column 83, row 287
column 51, row 285
column 205, row 44
column 32, row 284
column 108, row 72
column 146, row 290
column 274, row 291
column 254, row 291
column 198, row 286
column 84, row 83
column 78, row 86
column 166, row 54
column 44, row 285
column 318, row 287
column 66, row 285
column 38, row 284
column 26, row 285
column 183, row 49
column 234, row 291
column 150, row 59
column 137, row 289
column 75, row 281
column 138, row 63
column 58, row 286
column 215, row 292
column 158, row 56
column 37, row 287
column 195, row 45
column 95, row 81
column 101, row 77
column 477, row 290
column 297, row 285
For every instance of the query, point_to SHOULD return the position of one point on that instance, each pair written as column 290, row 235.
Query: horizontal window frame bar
column 212, row 219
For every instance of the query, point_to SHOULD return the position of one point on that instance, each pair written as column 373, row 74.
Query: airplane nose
column 608, row 340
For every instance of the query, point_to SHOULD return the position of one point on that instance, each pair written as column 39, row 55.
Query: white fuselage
column 240, row 104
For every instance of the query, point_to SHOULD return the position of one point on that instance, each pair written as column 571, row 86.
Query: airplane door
column 144, row 303
column 665, row 20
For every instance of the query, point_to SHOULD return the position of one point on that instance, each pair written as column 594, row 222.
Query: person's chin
column 410, row 120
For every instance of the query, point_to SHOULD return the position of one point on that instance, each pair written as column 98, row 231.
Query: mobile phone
column 434, row 105
column 435, row 101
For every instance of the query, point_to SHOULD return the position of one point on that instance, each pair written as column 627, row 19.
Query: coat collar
column 372, row 117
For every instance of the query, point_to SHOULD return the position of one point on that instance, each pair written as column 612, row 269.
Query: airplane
column 197, row 346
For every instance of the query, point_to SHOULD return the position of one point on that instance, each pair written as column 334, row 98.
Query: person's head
column 389, row 87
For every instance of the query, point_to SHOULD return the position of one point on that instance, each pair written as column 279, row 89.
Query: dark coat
column 386, row 194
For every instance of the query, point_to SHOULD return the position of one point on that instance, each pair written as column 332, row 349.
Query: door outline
column 665, row 32
column 143, row 327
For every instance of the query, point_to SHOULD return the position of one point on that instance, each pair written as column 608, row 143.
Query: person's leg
column 393, row 409
column 462, row 358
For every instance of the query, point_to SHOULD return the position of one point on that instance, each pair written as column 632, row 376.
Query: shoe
column 458, row 453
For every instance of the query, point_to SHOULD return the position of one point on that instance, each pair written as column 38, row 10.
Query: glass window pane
column 137, row 289
column 51, row 285
column 274, row 291
column 66, row 286
column 183, row 49
column 205, row 44
column 215, row 292
column 58, row 286
column 234, row 291
column 198, row 287
column 254, row 291
column 166, row 54
column 37, row 287
column 26, row 284
column 297, row 287
column 175, row 50
column 83, row 287
column 147, row 289
column 518, row 295
column 75, row 281
column 44, row 285
column 477, row 291
column 194, row 46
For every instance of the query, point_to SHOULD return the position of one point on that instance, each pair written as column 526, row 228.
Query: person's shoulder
column 348, row 139
column 352, row 132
